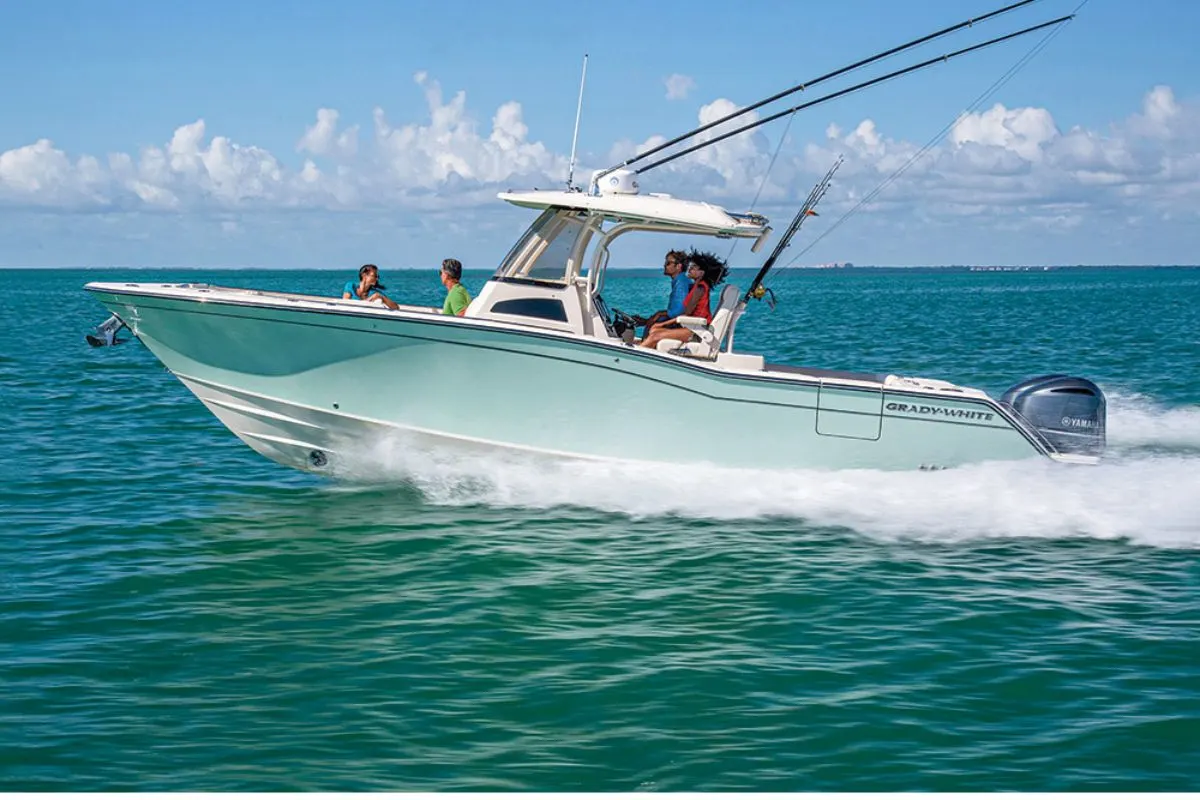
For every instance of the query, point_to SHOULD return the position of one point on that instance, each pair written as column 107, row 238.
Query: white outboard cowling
column 1068, row 412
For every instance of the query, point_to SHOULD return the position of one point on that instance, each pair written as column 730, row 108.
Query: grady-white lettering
column 938, row 411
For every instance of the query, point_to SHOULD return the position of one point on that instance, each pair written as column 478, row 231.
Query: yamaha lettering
column 938, row 411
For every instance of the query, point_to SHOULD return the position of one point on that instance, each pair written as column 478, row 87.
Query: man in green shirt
column 457, row 297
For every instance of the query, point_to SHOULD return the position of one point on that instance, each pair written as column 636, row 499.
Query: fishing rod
column 808, row 84
column 804, row 213
column 929, row 145
column 851, row 89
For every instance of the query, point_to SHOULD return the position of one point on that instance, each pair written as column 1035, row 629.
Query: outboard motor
column 1069, row 412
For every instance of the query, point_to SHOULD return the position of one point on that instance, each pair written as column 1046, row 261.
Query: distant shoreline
column 488, row 270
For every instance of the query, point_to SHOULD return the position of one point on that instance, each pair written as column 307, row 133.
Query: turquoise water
column 179, row 613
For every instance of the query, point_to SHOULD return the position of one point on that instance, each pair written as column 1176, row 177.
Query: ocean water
column 177, row 613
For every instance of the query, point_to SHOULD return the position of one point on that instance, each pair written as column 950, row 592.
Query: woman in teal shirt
column 457, row 297
column 367, row 287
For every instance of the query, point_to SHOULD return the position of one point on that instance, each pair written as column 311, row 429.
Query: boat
column 539, row 363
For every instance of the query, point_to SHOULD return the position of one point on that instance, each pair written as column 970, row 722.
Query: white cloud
column 322, row 138
column 437, row 163
column 1022, row 131
column 45, row 176
column 730, row 168
column 679, row 86
column 1008, row 165
column 1160, row 114
column 1017, row 164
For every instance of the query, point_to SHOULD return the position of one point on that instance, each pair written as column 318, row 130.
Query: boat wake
column 1136, row 421
column 1147, row 492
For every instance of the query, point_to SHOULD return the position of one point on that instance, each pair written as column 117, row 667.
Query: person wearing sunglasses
column 674, row 268
column 705, row 271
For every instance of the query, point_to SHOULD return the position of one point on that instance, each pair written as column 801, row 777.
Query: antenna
column 575, row 136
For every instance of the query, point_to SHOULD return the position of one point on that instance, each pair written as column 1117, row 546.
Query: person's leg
column 659, row 333
column 653, row 334
column 680, row 335
column 654, row 319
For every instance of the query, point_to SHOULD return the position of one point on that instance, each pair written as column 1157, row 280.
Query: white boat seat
column 708, row 336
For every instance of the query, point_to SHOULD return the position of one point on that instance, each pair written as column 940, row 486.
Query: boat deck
column 814, row 372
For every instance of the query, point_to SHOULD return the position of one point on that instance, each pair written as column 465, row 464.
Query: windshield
column 544, row 251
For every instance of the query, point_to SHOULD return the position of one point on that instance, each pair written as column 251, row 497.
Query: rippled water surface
column 178, row 613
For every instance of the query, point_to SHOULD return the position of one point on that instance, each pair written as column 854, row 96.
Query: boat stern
column 1068, row 413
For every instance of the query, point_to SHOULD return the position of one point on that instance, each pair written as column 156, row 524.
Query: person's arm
column 387, row 301
column 689, row 305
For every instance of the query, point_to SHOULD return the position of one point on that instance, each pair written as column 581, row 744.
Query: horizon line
column 812, row 268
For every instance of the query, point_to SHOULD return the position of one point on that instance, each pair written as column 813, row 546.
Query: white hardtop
column 651, row 208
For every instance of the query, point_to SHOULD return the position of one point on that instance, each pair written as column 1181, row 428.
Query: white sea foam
column 1151, row 499
column 1135, row 420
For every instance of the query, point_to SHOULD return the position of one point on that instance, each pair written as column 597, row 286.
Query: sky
column 318, row 134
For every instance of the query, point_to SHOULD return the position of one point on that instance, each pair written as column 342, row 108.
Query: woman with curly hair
column 705, row 271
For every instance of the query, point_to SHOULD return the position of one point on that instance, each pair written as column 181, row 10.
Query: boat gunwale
column 425, row 314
